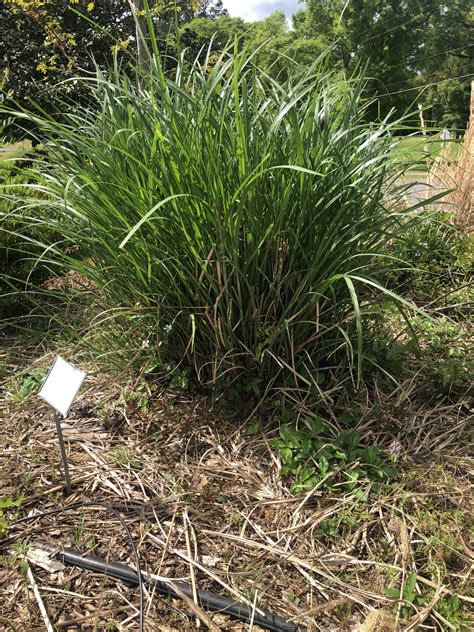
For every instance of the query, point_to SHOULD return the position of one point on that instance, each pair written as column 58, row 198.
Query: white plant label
column 61, row 386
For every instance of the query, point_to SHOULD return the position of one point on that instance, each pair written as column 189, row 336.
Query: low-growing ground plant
column 435, row 272
column 8, row 512
column 23, row 387
column 312, row 456
column 408, row 594
column 440, row 353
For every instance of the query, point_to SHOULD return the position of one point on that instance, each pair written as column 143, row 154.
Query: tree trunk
column 142, row 33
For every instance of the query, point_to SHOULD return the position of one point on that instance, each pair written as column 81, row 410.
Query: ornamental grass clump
column 234, row 222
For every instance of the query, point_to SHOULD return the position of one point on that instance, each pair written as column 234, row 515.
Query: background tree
column 448, row 53
column 45, row 42
column 279, row 49
column 405, row 45
column 197, row 33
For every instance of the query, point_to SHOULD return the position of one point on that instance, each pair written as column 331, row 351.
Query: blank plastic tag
column 61, row 386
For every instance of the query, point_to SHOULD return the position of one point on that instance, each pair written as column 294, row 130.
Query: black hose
column 207, row 600
column 138, row 574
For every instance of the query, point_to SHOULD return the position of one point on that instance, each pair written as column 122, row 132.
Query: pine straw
column 207, row 504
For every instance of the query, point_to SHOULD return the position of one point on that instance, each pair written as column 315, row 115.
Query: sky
column 251, row 10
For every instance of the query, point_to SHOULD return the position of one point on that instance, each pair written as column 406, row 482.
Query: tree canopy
column 407, row 47
column 46, row 41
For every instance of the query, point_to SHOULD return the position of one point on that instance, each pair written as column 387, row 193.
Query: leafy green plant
column 7, row 512
column 450, row 351
column 252, row 427
column 347, row 519
column 443, row 348
column 292, row 596
column 451, row 609
column 311, row 456
column 123, row 456
column 21, row 388
column 439, row 255
column 20, row 270
column 408, row 594
column 234, row 222
column 180, row 379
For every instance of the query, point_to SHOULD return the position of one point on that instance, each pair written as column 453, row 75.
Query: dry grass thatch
column 208, row 505
column 458, row 176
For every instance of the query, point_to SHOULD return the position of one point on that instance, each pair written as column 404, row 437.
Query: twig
column 191, row 567
column 253, row 610
column 202, row 568
column 36, row 592
column 200, row 614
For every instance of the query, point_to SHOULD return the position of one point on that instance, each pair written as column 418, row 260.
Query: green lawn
column 14, row 150
column 420, row 149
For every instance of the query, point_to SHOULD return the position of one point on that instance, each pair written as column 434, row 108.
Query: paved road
column 420, row 189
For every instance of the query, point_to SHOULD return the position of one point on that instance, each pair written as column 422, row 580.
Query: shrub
column 440, row 255
column 19, row 270
column 233, row 221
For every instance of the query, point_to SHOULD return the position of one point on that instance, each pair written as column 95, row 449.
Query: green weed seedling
column 294, row 598
column 409, row 594
column 139, row 396
column 252, row 427
column 180, row 379
column 343, row 522
column 78, row 532
column 451, row 609
column 123, row 456
column 7, row 512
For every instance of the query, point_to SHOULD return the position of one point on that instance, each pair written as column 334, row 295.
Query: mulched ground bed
column 208, row 505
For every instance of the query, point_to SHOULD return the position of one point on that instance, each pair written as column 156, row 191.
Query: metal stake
column 63, row 453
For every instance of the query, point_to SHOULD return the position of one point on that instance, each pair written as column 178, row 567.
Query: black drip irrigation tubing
column 207, row 600
column 80, row 505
